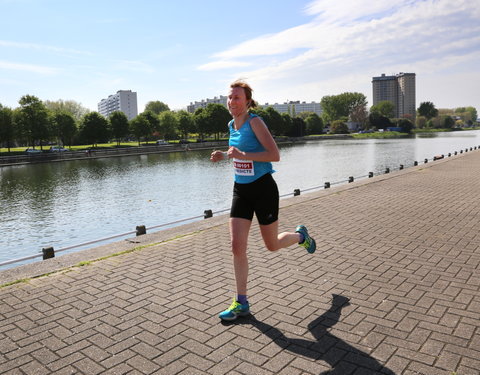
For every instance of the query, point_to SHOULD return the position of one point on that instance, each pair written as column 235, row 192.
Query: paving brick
column 116, row 359
column 120, row 369
column 34, row 367
column 88, row 366
column 224, row 366
column 65, row 361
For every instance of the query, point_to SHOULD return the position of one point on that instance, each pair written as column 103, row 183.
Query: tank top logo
column 243, row 167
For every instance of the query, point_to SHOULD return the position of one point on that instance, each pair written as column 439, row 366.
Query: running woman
column 252, row 148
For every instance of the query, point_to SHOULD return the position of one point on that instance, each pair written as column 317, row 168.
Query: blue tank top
column 247, row 171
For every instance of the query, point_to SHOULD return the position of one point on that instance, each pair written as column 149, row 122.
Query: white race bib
column 243, row 167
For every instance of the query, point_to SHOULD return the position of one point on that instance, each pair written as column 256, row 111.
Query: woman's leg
column 239, row 230
column 274, row 241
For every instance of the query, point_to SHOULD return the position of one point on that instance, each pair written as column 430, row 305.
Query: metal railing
column 49, row 252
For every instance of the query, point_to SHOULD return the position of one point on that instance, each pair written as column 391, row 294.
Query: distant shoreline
column 46, row 157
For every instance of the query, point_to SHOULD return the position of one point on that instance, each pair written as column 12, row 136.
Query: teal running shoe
column 235, row 310
column 308, row 242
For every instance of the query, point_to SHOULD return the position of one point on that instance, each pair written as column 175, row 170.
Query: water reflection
column 66, row 203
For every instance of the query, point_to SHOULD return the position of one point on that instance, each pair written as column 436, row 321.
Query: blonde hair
column 248, row 91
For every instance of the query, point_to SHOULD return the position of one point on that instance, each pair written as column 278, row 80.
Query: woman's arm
column 263, row 135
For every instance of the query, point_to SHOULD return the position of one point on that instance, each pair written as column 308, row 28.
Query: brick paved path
column 393, row 289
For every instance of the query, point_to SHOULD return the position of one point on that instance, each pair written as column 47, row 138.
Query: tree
column 473, row 113
column 63, row 127
column 185, row 123
column 144, row 125
column 435, row 123
column 339, row 127
column 360, row 116
column 378, row 121
column 448, row 122
column 441, row 122
column 287, row 123
column 421, row 122
column 154, row 122
column 94, row 128
column 298, row 127
column 304, row 115
column 467, row 114
column 272, row 118
column 168, row 125
column 337, row 106
column 70, row 106
column 140, row 127
column 156, row 107
column 428, row 110
column 201, row 122
column 6, row 126
column 219, row 118
column 385, row 108
column 119, row 125
column 263, row 113
column 32, row 120
column 314, row 124
column 275, row 121
column 406, row 125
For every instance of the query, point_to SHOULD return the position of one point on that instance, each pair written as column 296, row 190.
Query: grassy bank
column 375, row 135
column 21, row 150
column 380, row 135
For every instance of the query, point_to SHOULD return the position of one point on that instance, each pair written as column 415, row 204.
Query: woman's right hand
column 217, row 156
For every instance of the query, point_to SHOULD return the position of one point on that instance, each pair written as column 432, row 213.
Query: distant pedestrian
column 252, row 148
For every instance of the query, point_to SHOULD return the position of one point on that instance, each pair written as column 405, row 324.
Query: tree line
column 35, row 122
column 428, row 116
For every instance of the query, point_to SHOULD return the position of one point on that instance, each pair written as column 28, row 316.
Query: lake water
column 72, row 202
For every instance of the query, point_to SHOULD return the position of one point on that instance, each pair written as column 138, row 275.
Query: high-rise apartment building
column 398, row 89
column 124, row 101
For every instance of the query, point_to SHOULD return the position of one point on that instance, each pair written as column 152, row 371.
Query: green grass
column 380, row 135
column 21, row 150
column 429, row 130
column 323, row 135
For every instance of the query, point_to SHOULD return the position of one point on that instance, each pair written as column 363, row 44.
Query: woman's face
column 237, row 101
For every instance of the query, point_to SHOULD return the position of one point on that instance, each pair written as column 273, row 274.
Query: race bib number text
column 243, row 167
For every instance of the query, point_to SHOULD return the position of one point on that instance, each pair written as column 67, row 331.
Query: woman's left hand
column 234, row 152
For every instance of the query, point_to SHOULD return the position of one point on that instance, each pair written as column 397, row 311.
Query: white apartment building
column 398, row 89
column 291, row 107
column 124, row 101
column 195, row 105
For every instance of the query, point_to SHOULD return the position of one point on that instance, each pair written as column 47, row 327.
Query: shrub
column 339, row 127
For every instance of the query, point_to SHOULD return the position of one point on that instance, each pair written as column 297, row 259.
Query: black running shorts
column 259, row 197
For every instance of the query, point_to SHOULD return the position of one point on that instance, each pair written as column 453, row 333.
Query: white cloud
column 28, row 68
column 359, row 39
column 42, row 47
column 223, row 64
column 334, row 11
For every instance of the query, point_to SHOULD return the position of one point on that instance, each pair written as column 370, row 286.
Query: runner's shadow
column 342, row 357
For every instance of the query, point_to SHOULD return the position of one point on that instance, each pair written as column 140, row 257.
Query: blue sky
column 186, row 50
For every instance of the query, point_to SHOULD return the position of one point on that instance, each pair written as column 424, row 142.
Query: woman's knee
column 239, row 248
column 272, row 245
